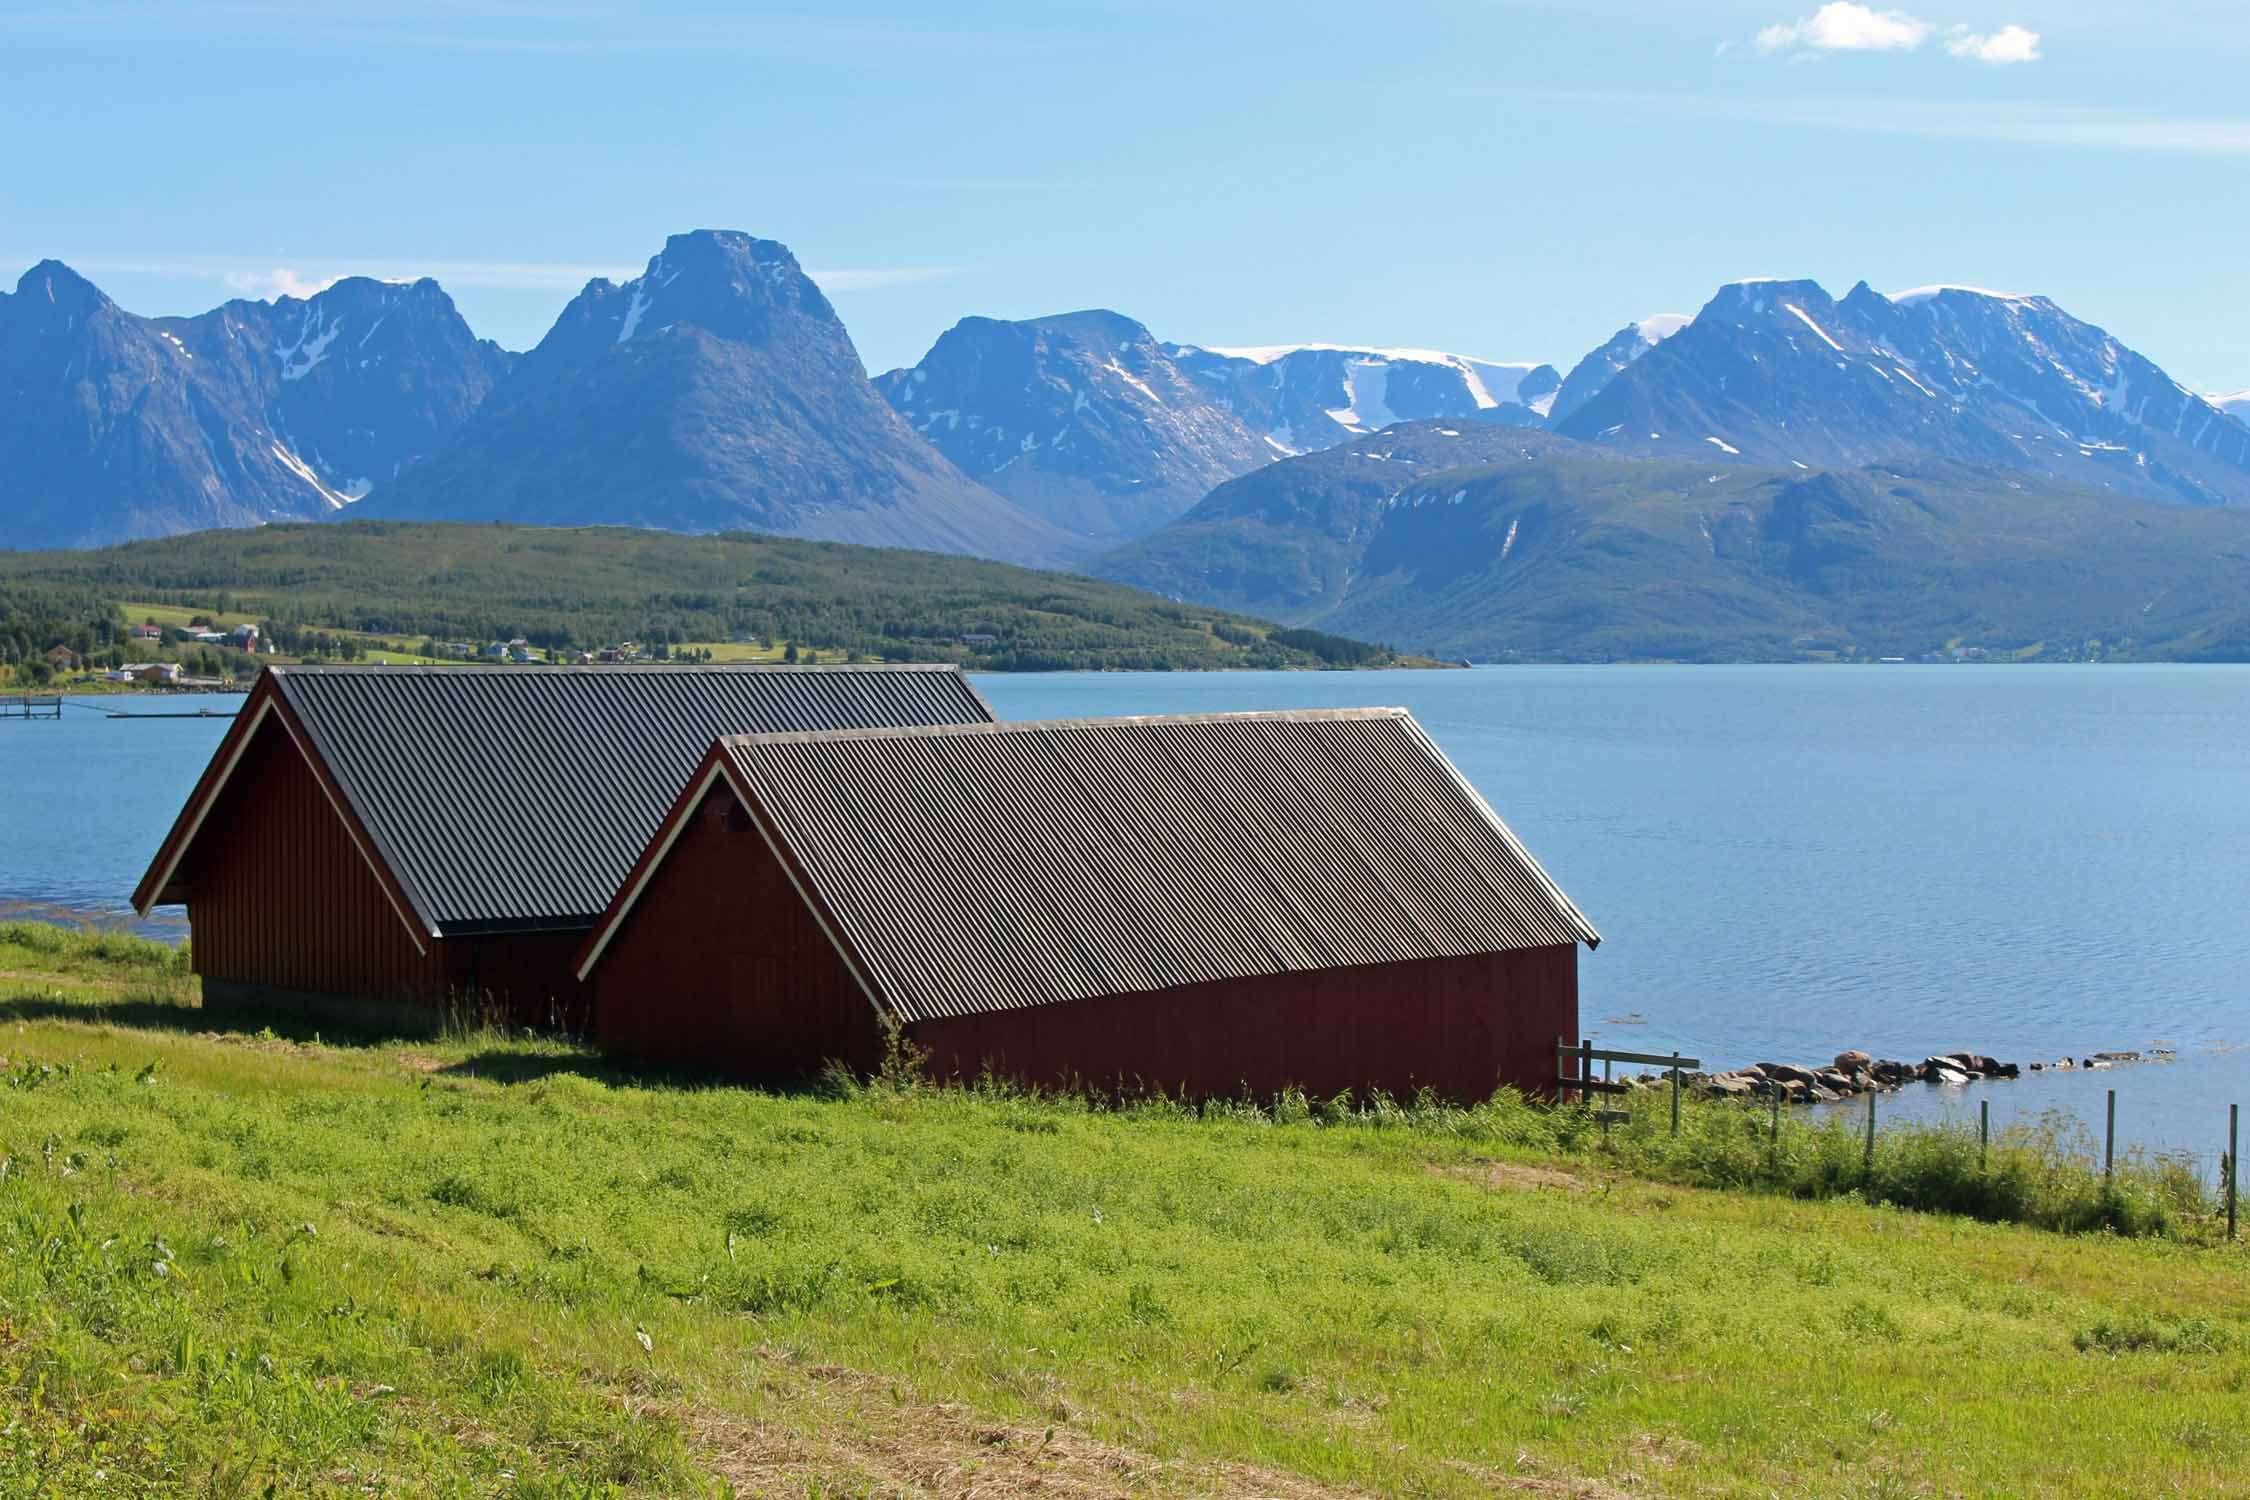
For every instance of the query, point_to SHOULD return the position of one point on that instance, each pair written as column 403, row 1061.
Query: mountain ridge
column 116, row 426
column 1780, row 372
column 1546, row 548
column 716, row 391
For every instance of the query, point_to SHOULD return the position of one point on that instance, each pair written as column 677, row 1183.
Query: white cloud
column 281, row 281
column 1842, row 26
column 2010, row 44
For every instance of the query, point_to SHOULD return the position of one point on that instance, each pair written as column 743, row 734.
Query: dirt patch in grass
column 419, row 1062
column 1509, row 1176
column 279, row 1046
column 865, row 1434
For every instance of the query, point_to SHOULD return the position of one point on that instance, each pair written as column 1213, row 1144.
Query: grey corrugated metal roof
column 995, row 866
column 518, row 797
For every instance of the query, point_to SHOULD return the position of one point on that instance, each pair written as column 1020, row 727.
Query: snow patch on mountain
column 635, row 311
column 300, row 359
column 1806, row 318
column 1490, row 382
column 303, row 470
column 1365, row 383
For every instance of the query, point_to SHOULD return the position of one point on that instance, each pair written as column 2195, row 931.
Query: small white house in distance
column 154, row 673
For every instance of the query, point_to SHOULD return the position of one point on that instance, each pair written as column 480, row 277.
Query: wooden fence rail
column 1585, row 1085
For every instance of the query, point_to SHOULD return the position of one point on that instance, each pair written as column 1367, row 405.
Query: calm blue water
column 1783, row 861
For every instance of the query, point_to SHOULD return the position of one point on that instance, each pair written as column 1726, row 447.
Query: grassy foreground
column 240, row 1263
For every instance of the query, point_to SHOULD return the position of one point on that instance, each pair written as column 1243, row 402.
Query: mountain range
column 719, row 391
column 1087, row 420
column 1776, row 372
column 114, row 426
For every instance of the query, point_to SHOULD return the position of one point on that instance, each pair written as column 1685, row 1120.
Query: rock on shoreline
column 1853, row 1072
column 1857, row 1072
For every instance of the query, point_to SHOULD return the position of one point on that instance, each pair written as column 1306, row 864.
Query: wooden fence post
column 1675, row 1091
column 1606, row 1110
column 1984, row 1134
column 1867, row 1164
column 2109, row 1144
column 1776, row 1147
column 2234, row 1161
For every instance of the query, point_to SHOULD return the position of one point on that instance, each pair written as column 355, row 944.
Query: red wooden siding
column 525, row 975
column 280, row 896
column 722, row 966
column 1458, row 1026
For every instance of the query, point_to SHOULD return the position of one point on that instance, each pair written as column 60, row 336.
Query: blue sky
column 1510, row 180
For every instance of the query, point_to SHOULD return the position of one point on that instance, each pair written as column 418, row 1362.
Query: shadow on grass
column 494, row 1064
column 190, row 1018
column 503, row 1066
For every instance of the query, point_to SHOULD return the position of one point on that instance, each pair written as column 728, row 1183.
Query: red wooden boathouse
column 1209, row 904
column 425, row 834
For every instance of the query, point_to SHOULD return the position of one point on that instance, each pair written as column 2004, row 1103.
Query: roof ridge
column 448, row 669
column 1011, row 726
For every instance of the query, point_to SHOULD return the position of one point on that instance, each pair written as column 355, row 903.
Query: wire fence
column 1574, row 1074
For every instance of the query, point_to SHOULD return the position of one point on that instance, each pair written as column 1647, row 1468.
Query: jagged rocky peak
column 1776, row 372
column 52, row 298
column 1083, row 418
column 716, row 391
column 1792, row 308
column 729, row 284
column 1600, row 365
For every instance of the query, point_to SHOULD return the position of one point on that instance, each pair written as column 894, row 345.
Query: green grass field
column 247, row 1262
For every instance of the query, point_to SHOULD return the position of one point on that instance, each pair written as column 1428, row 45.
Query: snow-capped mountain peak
column 1081, row 417
column 1312, row 395
column 1784, row 374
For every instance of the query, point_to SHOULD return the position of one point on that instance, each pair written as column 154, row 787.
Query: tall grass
column 2041, row 1174
column 94, row 947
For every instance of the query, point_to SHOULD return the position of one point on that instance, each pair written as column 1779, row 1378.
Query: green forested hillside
column 576, row 589
column 1531, row 547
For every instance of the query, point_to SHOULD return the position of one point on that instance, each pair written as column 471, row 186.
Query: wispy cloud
column 875, row 278
column 260, row 276
column 534, row 30
column 2085, row 127
column 254, row 277
column 2010, row 44
column 1841, row 26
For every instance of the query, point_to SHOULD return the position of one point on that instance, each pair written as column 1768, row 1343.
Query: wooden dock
column 31, row 706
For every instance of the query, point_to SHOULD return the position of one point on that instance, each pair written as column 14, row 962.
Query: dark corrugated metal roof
column 506, row 798
column 1005, row 865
